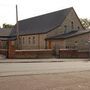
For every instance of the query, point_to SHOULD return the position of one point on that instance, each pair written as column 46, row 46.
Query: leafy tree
column 7, row 25
column 85, row 22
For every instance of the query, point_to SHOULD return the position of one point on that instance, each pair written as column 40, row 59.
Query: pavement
column 9, row 69
column 4, row 60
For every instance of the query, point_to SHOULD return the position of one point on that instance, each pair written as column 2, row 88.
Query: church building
column 60, row 30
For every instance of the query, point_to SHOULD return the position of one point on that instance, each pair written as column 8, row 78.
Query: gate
column 3, row 49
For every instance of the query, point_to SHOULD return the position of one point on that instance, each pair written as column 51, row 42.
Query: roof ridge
column 43, row 23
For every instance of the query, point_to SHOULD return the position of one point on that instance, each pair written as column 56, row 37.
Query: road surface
column 7, row 69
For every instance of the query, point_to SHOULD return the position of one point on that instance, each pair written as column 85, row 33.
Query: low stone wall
column 48, row 53
column 24, row 54
column 83, row 54
column 65, row 53
column 42, row 53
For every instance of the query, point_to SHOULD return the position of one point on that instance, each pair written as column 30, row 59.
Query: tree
column 85, row 22
column 7, row 26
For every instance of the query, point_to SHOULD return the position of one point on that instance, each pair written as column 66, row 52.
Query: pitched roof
column 5, row 34
column 41, row 24
column 69, row 34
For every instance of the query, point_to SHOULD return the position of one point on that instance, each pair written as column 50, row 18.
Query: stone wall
column 71, row 17
column 35, row 41
column 80, row 42
column 56, row 44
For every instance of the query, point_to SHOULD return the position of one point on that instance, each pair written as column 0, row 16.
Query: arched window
column 33, row 40
column 78, row 27
column 23, row 40
column 66, row 46
column 29, row 40
column 72, row 26
column 65, row 28
column 20, row 40
column 76, row 44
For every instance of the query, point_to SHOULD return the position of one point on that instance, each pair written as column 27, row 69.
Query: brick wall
column 67, row 53
column 83, row 54
column 11, row 50
column 33, row 54
column 43, row 53
column 23, row 54
column 73, row 54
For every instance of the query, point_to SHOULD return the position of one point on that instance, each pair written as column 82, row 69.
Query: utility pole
column 17, row 27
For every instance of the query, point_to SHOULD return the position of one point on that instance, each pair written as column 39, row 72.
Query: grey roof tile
column 42, row 23
column 69, row 34
column 5, row 34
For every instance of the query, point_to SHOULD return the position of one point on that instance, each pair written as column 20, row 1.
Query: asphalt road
column 7, row 69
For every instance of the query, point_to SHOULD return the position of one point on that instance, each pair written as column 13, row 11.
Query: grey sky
column 31, row 8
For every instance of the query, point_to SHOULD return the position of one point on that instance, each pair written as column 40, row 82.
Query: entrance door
column 49, row 44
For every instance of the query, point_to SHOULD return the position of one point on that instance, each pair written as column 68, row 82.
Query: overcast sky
column 31, row 8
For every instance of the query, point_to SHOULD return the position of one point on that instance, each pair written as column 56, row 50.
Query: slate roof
column 5, row 34
column 69, row 34
column 41, row 24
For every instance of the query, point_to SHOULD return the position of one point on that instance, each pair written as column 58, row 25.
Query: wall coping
column 35, row 50
column 67, row 49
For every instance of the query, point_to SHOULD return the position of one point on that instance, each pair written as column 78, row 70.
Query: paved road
column 39, row 68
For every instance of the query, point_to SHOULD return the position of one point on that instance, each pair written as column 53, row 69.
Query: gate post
column 10, row 50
